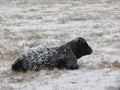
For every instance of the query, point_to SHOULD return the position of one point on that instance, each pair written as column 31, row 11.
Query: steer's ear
column 80, row 39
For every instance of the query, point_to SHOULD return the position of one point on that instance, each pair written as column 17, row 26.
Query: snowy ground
column 29, row 23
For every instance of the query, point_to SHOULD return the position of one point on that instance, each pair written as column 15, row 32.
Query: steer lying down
column 64, row 56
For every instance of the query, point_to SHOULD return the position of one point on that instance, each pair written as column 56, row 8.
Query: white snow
column 25, row 24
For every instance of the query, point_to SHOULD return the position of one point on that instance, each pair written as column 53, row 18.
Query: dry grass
column 107, row 64
column 116, row 64
column 16, row 2
column 113, row 88
column 55, row 1
column 32, row 38
column 97, row 21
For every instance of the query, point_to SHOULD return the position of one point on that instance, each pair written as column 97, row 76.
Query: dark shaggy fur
column 64, row 56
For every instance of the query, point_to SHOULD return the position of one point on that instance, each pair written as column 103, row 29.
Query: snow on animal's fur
column 64, row 56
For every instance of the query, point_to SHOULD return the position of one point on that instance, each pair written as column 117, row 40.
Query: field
column 30, row 23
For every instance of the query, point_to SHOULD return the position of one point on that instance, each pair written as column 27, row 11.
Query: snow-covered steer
column 64, row 56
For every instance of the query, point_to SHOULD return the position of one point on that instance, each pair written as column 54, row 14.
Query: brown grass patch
column 107, row 64
column 10, row 54
column 112, row 88
column 104, row 64
column 101, row 65
column 116, row 64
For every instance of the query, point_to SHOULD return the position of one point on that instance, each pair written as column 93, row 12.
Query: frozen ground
column 29, row 23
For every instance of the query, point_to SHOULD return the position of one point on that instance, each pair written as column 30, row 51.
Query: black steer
column 64, row 56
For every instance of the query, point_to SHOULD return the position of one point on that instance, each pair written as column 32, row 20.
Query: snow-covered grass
column 29, row 23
